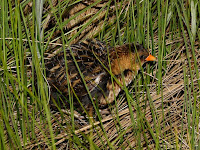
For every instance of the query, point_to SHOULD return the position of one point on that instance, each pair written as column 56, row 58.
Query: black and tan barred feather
column 85, row 54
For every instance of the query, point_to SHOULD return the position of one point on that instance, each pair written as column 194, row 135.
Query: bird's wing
column 87, row 56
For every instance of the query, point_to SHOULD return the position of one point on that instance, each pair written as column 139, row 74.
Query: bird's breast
column 115, row 87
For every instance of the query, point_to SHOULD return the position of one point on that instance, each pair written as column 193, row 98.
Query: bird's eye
column 142, row 57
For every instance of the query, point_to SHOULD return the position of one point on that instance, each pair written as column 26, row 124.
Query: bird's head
column 129, row 57
column 143, row 54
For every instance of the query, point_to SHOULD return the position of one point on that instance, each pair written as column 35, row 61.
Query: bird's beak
column 150, row 58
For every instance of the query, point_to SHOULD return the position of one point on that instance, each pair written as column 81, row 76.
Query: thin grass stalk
column 191, row 76
column 118, row 25
column 139, row 114
column 194, row 124
column 68, row 82
column 192, row 33
column 69, row 88
column 21, row 73
column 159, row 75
column 2, row 137
column 41, row 83
column 5, row 111
column 185, row 19
column 106, row 17
column 38, row 33
column 165, row 14
column 186, row 97
column 77, row 64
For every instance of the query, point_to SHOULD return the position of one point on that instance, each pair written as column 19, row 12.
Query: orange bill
column 150, row 58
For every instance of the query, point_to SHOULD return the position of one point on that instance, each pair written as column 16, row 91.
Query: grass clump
column 159, row 110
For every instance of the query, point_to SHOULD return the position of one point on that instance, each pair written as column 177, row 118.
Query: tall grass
column 27, row 34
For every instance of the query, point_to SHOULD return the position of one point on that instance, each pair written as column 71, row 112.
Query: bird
column 94, row 67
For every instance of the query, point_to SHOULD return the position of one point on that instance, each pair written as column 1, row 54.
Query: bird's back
column 89, row 59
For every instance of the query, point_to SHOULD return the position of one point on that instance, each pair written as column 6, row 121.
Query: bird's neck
column 125, row 62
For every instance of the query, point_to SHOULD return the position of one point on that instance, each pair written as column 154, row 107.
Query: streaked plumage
column 93, row 61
